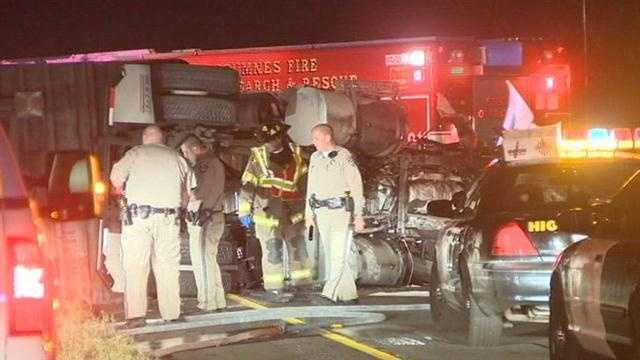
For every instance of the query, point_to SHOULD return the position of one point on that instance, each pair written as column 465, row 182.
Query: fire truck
column 437, row 77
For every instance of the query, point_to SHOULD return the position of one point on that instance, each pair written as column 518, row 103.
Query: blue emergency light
column 598, row 134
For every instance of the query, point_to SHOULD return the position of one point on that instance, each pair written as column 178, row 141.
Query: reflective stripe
column 301, row 167
column 279, row 184
column 248, row 177
column 260, row 153
column 267, row 178
column 266, row 221
column 301, row 274
column 244, row 207
column 296, row 218
column 275, row 280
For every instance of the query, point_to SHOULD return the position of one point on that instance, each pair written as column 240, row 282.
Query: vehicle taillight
column 512, row 240
column 29, row 301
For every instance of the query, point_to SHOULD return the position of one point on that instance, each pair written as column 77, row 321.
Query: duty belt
column 143, row 211
column 201, row 216
column 330, row 203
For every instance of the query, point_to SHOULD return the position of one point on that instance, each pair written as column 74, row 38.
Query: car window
column 70, row 174
column 561, row 185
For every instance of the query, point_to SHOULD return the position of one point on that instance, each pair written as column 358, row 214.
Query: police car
column 26, row 311
column 495, row 262
column 595, row 288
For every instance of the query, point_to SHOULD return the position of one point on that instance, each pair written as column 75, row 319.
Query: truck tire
column 441, row 312
column 562, row 343
column 215, row 80
column 482, row 329
column 182, row 109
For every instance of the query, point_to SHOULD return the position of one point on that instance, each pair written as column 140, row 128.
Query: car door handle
column 599, row 258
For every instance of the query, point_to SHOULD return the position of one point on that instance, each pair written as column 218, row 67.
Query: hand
column 358, row 224
column 246, row 221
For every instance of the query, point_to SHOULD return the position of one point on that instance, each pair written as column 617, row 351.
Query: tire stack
column 195, row 94
column 208, row 96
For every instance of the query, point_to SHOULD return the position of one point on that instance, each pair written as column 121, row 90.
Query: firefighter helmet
column 270, row 131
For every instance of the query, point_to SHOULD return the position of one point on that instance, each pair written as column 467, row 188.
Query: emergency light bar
column 543, row 143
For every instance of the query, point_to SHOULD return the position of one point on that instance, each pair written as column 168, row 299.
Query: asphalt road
column 403, row 335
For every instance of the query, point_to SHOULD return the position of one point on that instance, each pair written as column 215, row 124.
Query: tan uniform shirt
column 155, row 175
column 333, row 177
column 209, row 172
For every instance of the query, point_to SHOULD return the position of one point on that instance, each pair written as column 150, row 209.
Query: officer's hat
column 270, row 130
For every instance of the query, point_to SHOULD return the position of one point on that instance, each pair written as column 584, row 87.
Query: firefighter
column 156, row 179
column 334, row 200
column 205, row 223
column 272, row 199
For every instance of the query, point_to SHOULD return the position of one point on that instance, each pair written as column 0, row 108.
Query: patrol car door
column 76, row 198
column 621, row 266
column 603, row 274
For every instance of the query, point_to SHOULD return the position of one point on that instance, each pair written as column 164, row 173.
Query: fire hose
column 351, row 315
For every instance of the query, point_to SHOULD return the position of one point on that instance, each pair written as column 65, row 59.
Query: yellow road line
column 327, row 334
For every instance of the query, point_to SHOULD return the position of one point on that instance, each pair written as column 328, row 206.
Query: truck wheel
column 441, row 312
column 184, row 109
column 562, row 343
column 215, row 80
column 482, row 329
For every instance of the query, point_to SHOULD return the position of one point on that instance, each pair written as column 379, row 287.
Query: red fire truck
column 436, row 75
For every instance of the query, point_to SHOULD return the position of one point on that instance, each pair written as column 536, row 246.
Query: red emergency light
column 549, row 83
column 623, row 138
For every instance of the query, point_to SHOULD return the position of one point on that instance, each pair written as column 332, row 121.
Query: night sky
column 34, row 29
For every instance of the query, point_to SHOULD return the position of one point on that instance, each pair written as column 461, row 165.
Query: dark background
column 36, row 29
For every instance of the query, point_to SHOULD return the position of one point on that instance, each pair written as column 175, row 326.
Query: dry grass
column 84, row 337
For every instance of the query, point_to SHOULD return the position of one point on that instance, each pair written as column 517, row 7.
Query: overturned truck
column 400, row 177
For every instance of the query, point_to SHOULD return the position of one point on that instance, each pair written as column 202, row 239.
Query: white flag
column 518, row 116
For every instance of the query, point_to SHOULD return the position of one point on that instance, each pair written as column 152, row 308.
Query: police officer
column 334, row 202
column 272, row 198
column 205, row 223
column 157, row 179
